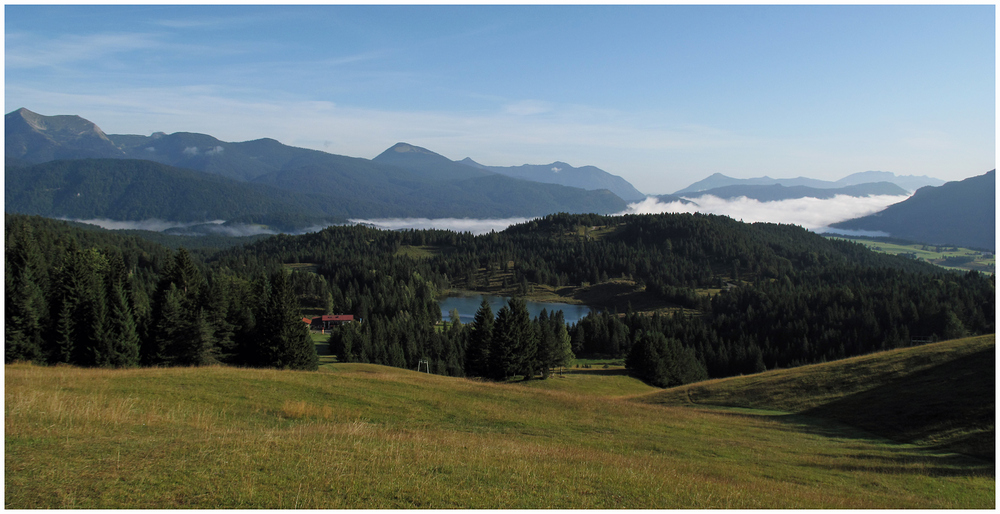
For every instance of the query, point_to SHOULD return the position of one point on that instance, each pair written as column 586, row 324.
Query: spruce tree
column 514, row 342
column 477, row 354
column 25, row 304
column 119, row 346
column 167, row 329
column 123, row 329
column 283, row 341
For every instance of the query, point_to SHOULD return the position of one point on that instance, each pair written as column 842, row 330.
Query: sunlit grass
column 366, row 436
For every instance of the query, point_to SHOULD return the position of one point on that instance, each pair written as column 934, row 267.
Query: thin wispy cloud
column 27, row 51
column 528, row 107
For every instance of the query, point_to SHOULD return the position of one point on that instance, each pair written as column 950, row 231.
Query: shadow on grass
column 924, row 463
column 905, row 458
column 952, row 406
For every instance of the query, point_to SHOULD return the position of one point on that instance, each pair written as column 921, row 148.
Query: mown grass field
column 365, row 436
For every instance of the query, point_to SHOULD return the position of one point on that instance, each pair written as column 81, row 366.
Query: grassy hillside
column 940, row 395
column 366, row 436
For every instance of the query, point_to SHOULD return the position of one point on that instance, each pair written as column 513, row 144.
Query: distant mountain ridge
column 405, row 181
column 33, row 138
column 586, row 177
column 907, row 182
column 778, row 192
column 960, row 213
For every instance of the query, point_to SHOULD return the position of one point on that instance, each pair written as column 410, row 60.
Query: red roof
column 307, row 320
column 338, row 317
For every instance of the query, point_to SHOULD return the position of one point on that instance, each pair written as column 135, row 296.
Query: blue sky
column 661, row 95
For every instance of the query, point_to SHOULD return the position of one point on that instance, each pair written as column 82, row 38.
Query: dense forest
column 745, row 297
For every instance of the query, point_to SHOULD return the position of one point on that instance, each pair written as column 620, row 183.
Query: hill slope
column 940, row 394
column 960, row 213
column 364, row 436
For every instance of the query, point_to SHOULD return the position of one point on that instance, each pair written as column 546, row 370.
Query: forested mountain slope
column 960, row 213
column 126, row 189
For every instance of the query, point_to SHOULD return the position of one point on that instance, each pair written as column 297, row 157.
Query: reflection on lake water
column 468, row 305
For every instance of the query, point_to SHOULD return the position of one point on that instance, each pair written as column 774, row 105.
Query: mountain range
column 959, row 213
column 718, row 180
column 587, row 177
column 778, row 192
column 66, row 166
column 404, row 181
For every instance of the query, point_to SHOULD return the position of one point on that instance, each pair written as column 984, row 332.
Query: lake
column 468, row 305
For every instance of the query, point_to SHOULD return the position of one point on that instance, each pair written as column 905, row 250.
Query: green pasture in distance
column 949, row 257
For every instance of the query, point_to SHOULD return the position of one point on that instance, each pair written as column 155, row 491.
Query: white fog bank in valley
column 810, row 213
column 200, row 228
column 153, row 225
column 474, row 226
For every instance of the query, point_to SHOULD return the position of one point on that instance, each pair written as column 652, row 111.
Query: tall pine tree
column 283, row 341
column 25, row 305
column 477, row 353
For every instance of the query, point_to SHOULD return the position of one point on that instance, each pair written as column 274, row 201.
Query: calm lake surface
column 468, row 305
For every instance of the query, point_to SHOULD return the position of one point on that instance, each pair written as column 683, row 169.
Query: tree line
column 121, row 302
column 783, row 297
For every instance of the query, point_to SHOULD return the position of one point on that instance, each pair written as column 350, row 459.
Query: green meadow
column 949, row 257
column 364, row 436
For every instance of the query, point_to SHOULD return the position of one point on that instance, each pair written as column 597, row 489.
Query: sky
column 662, row 95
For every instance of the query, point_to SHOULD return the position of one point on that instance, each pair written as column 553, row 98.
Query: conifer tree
column 283, row 341
column 120, row 344
column 662, row 361
column 123, row 330
column 167, row 330
column 25, row 305
column 514, row 342
column 79, row 333
column 477, row 354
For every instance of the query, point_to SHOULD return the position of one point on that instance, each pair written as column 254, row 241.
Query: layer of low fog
column 474, row 226
column 201, row 228
column 811, row 213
